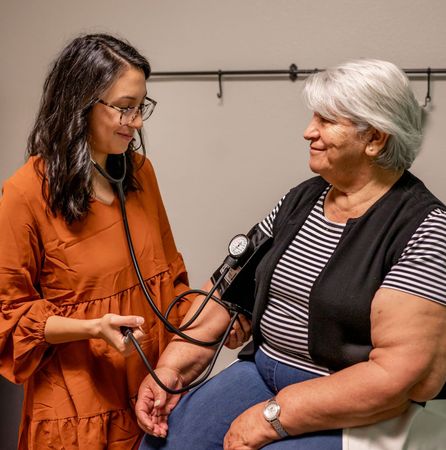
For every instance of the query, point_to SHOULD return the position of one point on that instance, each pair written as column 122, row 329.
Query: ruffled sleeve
column 23, row 313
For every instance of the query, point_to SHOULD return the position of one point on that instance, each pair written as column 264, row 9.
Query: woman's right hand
column 59, row 330
column 154, row 404
column 109, row 329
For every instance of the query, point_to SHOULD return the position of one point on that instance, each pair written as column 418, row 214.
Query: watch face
column 238, row 245
column 271, row 411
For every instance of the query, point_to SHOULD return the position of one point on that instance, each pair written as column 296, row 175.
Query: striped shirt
column 420, row 270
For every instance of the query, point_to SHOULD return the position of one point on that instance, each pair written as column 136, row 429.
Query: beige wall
column 222, row 165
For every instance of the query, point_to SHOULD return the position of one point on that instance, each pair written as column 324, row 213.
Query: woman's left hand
column 250, row 430
column 240, row 333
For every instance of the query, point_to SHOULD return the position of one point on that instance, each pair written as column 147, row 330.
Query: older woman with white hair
column 349, row 323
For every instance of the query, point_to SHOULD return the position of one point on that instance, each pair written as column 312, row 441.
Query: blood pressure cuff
column 237, row 288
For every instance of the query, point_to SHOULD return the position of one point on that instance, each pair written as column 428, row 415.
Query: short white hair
column 371, row 93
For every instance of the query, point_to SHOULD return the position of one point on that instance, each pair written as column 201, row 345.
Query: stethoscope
column 237, row 248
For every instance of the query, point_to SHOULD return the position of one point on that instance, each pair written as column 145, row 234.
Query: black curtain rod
column 290, row 72
column 293, row 72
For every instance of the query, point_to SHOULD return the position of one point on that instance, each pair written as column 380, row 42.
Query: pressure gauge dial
column 238, row 246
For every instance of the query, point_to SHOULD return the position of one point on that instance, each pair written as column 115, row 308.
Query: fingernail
column 157, row 403
column 139, row 320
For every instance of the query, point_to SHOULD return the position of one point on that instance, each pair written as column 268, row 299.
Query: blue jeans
column 203, row 416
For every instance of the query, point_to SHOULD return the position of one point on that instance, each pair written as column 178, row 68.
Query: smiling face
column 106, row 135
column 337, row 150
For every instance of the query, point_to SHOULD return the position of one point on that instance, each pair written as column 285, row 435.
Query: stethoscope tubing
column 127, row 332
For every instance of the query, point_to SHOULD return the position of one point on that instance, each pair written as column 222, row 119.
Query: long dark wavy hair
column 85, row 68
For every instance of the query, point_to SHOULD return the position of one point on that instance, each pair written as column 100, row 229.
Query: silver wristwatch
column 271, row 414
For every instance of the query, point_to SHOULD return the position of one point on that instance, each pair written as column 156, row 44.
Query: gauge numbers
column 238, row 245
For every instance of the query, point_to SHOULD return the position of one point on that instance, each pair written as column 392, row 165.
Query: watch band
column 279, row 428
column 274, row 419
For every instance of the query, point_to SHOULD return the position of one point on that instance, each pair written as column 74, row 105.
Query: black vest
column 339, row 332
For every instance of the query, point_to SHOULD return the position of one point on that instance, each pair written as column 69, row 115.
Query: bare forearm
column 360, row 395
column 189, row 359
column 59, row 330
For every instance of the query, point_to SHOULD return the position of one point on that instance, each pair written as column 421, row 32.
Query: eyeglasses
column 128, row 115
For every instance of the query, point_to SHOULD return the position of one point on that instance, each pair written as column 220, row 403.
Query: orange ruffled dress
column 80, row 395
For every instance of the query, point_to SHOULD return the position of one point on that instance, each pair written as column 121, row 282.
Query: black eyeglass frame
column 137, row 109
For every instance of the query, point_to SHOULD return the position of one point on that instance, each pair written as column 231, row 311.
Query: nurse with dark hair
column 67, row 283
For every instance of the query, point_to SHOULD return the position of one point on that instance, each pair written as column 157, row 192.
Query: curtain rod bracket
column 293, row 72
column 428, row 99
column 220, row 88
